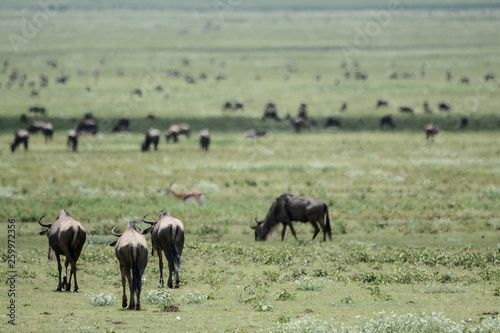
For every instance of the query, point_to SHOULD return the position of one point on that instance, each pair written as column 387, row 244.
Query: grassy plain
column 415, row 223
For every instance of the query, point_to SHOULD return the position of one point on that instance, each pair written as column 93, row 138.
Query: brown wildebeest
column 66, row 237
column 431, row 130
column 443, row 106
column 167, row 235
column 73, row 140
column 333, row 122
column 406, row 109
column 172, row 133
column 38, row 109
column 88, row 125
column 204, row 139
column 152, row 137
column 382, row 102
column 255, row 133
column 288, row 208
column 387, row 120
column 131, row 251
column 21, row 137
column 238, row 106
column 46, row 128
column 184, row 129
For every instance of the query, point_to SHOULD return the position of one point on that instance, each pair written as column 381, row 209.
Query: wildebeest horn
column 145, row 221
column 145, row 232
column 140, row 229
column 43, row 225
column 114, row 233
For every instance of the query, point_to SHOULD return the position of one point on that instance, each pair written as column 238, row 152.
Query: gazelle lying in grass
column 185, row 196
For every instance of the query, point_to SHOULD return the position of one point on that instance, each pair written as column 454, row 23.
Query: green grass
column 415, row 223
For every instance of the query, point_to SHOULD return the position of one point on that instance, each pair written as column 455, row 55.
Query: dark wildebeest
column 406, row 109
column 66, row 237
column 131, row 250
column 46, row 128
column 184, row 129
column 204, row 139
column 431, row 130
column 444, row 106
column 300, row 124
column 255, row 133
column 228, row 106
column 88, row 125
column 73, row 140
column 302, row 111
column 152, row 137
column 167, row 235
column 122, row 125
column 38, row 109
column 382, row 102
column 62, row 79
column 333, row 122
column 465, row 80
column 136, row 91
column 238, row 106
column 360, row 76
column 288, row 208
column 271, row 112
column 464, row 122
column 22, row 136
column 489, row 76
column 387, row 120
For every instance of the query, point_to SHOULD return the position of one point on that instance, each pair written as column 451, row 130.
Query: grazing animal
column 427, row 108
column 73, row 140
column 172, row 133
column 185, row 196
column 228, row 106
column 66, row 237
column 254, row 133
column 382, row 102
column 288, row 208
column 184, row 129
column 122, row 125
column 204, row 139
column 464, row 122
column 131, row 251
column 46, row 128
column 62, row 79
column 431, row 130
column 489, row 76
column 136, row 91
column 21, row 137
column 302, row 111
column 271, row 112
column 167, row 235
column 333, row 122
column 88, row 125
column 406, row 109
column 465, row 80
column 300, row 124
column 152, row 137
column 38, row 109
column 238, row 106
column 444, row 106
column 387, row 120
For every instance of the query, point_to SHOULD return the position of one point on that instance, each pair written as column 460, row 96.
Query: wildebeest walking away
column 167, row 235
column 132, row 252
column 66, row 237
column 288, row 208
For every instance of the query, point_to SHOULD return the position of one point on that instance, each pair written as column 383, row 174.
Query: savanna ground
column 415, row 223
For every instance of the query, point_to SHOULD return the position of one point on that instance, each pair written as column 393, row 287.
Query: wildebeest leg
column 124, row 283
column 25, row 144
column 59, row 268
column 292, row 229
column 316, row 228
column 66, row 283
column 283, row 231
column 170, row 270
column 128, row 274
column 160, row 260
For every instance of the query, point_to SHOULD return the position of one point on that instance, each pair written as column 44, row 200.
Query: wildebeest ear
column 112, row 243
column 254, row 227
column 43, row 232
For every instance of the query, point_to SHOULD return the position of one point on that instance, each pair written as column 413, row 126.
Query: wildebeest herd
column 67, row 237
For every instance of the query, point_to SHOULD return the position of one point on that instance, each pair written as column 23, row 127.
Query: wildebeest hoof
column 124, row 304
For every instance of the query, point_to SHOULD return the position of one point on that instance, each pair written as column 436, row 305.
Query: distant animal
column 136, row 91
column 131, row 250
column 46, row 128
column 489, row 76
column 343, row 108
column 73, row 140
column 406, row 109
column 431, row 130
column 333, row 122
column 152, row 137
column 204, row 139
column 184, row 129
column 122, row 125
column 444, row 106
column 167, row 235
column 66, row 237
column 172, row 133
column 360, row 76
column 299, row 124
column 238, row 106
column 38, row 109
column 464, row 122
column 382, row 102
column 288, row 208
column 185, row 196
column 465, row 80
column 62, row 79
column 271, row 112
column 254, row 133
column 228, row 106
column 88, row 125
column 21, row 137
column 302, row 111
column 427, row 108
column 387, row 120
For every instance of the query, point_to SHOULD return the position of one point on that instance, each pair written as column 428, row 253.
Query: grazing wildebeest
column 489, row 76
column 382, row 102
column 255, row 133
column 288, row 208
column 387, row 120
column 431, row 130
column 360, row 76
column 204, row 139
column 136, row 91
column 38, row 109
column 167, row 235
column 228, row 106
column 184, row 129
column 343, row 108
column 300, row 124
column 22, row 136
column 427, row 108
column 333, row 122
column 464, row 122
column 131, row 250
column 238, row 106
column 406, row 109
column 465, row 80
column 62, row 79
column 46, row 128
column 88, row 125
column 122, row 125
column 172, row 133
column 152, row 137
column 444, row 106
column 66, row 237
column 73, row 140
column 302, row 111
column 271, row 112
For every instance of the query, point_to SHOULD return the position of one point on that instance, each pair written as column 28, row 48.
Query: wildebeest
column 489, row 76
column 288, row 208
column 136, row 91
column 38, row 109
column 167, row 235
column 131, row 251
column 302, row 111
column 73, row 140
column 333, row 122
column 444, row 106
column 46, row 128
column 255, row 133
column 88, row 125
column 464, row 122
column 271, row 112
column 299, row 124
column 62, row 79
column 465, row 80
column 382, row 102
column 238, row 106
column 387, row 120
column 172, row 133
column 427, row 108
column 152, row 137
column 406, row 109
column 122, row 125
column 204, row 139
column 21, row 137
column 66, row 237
column 228, row 106
column 431, row 130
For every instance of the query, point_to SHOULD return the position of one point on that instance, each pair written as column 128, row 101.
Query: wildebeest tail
column 174, row 254
column 136, row 271
column 328, row 226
